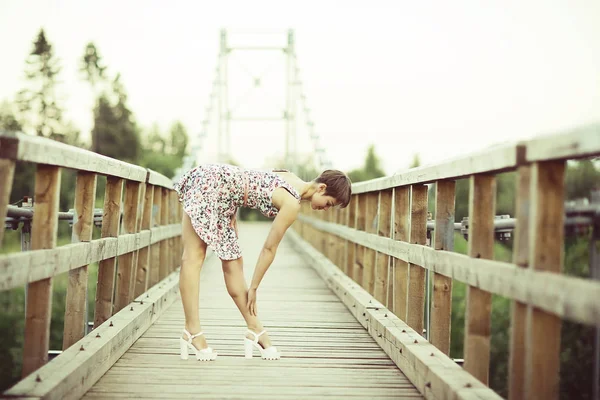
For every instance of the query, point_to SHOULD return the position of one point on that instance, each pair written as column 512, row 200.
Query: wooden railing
column 139, row 244
column 379, row 241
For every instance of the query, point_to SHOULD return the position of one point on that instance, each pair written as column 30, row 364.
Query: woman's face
column 320, row 201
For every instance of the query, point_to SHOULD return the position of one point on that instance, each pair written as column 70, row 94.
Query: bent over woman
column 211, row 195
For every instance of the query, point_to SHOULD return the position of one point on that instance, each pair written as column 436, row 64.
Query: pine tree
column 115, row 132
column 38, row 103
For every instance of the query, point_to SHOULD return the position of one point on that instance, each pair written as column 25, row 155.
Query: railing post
column 546, row 251
column 401, row 233
column 416, row 273
column 106, row 269
column 370, row 257
column 342, row 217
column 83, row 227
column 516, row 368
column 39, row 294
column 384, row 225
column 441, row 306
column 482, row 206
column 125, row 269
column 7, row 172
column 351, row 256
column 361, row 211
column 163, row 268
column 155, row 248
column 143, row 261
column 172, row 219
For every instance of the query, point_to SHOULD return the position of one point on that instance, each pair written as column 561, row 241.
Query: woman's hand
column 252, row 302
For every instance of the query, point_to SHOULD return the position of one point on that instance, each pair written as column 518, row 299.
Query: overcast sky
column 435, row 78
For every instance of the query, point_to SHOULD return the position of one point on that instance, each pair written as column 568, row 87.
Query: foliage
column 581, row 177
column 115, row 133
column 38, row 102
column 370, row 170
column 165, row 154
column 92, row 67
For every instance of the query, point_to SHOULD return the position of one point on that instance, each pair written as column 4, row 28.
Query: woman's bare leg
column 194, row 252
column 233, row 271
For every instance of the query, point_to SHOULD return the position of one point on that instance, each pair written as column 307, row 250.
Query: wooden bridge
column 344, row 300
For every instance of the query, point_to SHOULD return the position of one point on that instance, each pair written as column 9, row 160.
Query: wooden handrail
column 123, row 248
column 532, row 281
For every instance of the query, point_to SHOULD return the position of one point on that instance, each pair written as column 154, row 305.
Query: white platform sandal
column 207, row 354
column 270, row 353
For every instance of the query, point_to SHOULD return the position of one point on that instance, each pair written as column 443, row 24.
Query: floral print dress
column 211, row 195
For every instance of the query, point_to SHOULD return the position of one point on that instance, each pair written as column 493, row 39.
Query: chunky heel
column 270, row 353
column 183, row 349
column 207, row 354
column 248, row 347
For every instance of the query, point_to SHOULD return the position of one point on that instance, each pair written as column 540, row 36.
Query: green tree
column 92, row 68
column 94, row 73
column 370, row 170
column 165, row 155
column 115, row 133
column 38, row 102
column 178, row 140
column 416, row 162
column 581, row 177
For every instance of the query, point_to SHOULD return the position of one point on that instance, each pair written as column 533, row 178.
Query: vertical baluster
column 516, row 369
column 143, row 260
column 546, row 251
column 401, row 233
column 360, row 250
column 39, row 294
column 384, row 225
column 7, row 172
column 106, row 268
column 83, row 227
column 368, row 281
column 482, row 205
column 125, row 268
column 351, row 256
column 163, row 268
column 155, row 248
column 416, row 273
column 441, row 306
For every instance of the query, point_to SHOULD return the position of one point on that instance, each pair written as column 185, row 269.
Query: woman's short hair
column 338, row 184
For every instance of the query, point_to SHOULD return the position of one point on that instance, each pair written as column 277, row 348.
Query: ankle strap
column 256, row 336
column 190, row 336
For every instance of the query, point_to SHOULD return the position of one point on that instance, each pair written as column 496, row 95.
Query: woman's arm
column 284, row 219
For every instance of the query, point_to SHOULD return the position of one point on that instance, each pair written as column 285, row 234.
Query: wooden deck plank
column 325, row 351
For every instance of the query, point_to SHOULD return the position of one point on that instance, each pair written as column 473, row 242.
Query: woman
column 211, row 195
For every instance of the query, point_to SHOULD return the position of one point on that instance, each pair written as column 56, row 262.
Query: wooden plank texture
column 416, row 273
column 384, row 223
column 124, row 277
column 401, row 233
column 516, row 370
column 39, row 294
column 143, row 261
column 41, row 150
column 434, row 374
column 569, row 297
column 83, row 226
column 106, row 269
column 441, row 302
column 326, row 353
column 546, row 251
column 495, row 159
column 7, row 171
column 482, row 206
column 368, row 279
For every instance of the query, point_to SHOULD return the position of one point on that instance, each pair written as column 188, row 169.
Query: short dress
column 211, row 195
